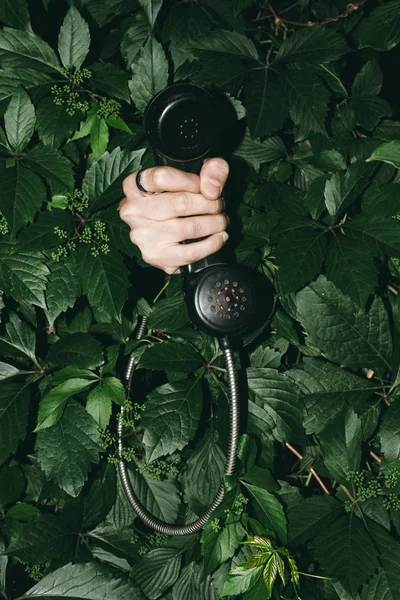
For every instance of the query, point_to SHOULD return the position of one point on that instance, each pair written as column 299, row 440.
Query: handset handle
column 180, row 125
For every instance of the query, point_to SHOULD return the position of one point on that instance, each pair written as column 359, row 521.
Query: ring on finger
column 139, row 183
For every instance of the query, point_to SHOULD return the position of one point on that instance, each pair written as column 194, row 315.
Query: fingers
column 162, row 179
column 163, row 207
column 175, row 256
column 213, row 176
column 178, row 230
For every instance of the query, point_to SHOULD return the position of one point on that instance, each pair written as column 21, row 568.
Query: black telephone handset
column 181, row 125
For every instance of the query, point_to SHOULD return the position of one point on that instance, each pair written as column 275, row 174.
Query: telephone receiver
column 181, row 125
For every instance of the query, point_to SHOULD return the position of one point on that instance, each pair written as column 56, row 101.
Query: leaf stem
column 309, row 468
column 161, row 291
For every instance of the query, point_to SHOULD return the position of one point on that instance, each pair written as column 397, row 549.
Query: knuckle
column 158, row 176
column 137, row 236
column 182, row 204
column 190, row 228
column 149, row 258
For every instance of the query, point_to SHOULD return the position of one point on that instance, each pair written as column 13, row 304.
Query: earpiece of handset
column 180, row 124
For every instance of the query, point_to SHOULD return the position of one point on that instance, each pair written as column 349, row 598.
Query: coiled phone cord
column 230, row 463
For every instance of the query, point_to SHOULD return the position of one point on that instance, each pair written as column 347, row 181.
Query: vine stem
column 350, row 9
column 310, row 468
column 375, row 457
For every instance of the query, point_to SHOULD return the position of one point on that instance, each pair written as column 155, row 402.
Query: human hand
column 156, row 226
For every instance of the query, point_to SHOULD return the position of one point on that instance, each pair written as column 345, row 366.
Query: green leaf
column 171, row 417
column 52, row 404
column 299, row 267
column 222, row 42
column 380, row 588
column 73, row 39
column 314, row 199
column 345, row 188
column 311, row 516
column 40, row 235
column 23, row 275
column 66, row 450
column 14, row 405
column 241, row 579
column 388, row 152
column 51, row 164
column 159, row 497
column 11, row 80
column 383, row 201
column 63, row 287
column 192, row 586
column 54, row 125
column 100, row 399
column 350, row 268
column 389, row 432
column 14, row 14
column 157, row 571
column 79, row 350
column 345, row 550
column 12, row 484
column 312, row 44
column 257, row 151
column 326, row 390
column 171, row 356
column 368, row 81
column 21, row 196
column 389, row 550
column 20, row 337
column 151, row 9
column 7, row 371
column 217, row 545
column 110, row 79
column 87, row 581
column 348, row 336
column 20, row 49
column 169, row 314
column 378, row 235
column 19, row 120
column 308, row 101
column 134, row 38
column 381, row 30
column 369, row 111
column 102, row 183
column 150, row 73
column 40, row 540
column 98, row 137
column 270, row 573
column 279, row 401
column 341, row 445
column 105, row 282
column 268, row 510
column 203, row 473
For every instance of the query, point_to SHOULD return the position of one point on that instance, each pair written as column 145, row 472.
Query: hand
column 156, row 226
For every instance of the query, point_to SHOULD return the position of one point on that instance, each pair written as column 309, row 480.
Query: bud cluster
column 108, row 108
column 3, row 224
column 160, row 468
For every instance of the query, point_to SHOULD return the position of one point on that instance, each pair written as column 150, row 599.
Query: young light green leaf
column 66, row 450
column 73, row 39
column 270, row 573
column 171, row 417
column 269, row 510
column 150, row 73
column 21, row 49
column 52, row 404
column 14, row 405
column 87, row 581
column 19, row 120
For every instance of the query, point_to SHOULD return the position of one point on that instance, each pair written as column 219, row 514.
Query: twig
column 310, row 468
column 285, row 10
column 369, row 374
column 350, row 9
column 375, row 457
column 392, row 289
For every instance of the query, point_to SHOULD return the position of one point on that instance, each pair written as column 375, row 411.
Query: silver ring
column 139, row 184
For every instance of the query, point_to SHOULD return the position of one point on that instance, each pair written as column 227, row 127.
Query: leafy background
column 314, row 199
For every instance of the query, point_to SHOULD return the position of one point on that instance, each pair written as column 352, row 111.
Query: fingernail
column 225, row 236
column 214, row 187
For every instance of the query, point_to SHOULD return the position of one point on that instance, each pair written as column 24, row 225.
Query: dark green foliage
column 314, row 201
